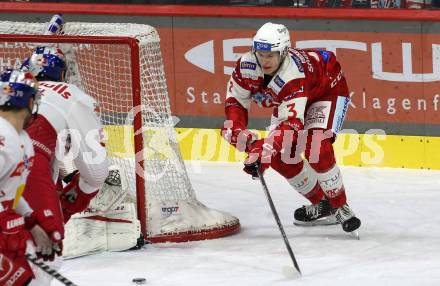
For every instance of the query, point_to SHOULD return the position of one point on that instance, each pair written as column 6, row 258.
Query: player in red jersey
column 309, row 96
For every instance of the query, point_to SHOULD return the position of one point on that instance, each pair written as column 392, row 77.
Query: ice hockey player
column 67, row 121
column 18, row 93
column 309, row 96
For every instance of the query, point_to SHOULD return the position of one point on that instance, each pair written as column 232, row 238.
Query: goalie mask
column 46, row 63
column 17, row 88
column 272, row 38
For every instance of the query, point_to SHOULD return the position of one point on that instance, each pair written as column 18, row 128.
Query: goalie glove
column 56, row 25
column 73, row 199
column 113, row 191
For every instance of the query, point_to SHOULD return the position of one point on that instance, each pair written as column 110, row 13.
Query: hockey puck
column 139, row 280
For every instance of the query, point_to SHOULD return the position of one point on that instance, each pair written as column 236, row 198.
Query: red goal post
column 125, row 75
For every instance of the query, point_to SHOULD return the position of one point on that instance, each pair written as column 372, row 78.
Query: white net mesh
column 104, row 71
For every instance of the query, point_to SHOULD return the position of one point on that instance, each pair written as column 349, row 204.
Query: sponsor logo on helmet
column 282, row 30
column 260, row 46
column 248, row 65
column 278, row 81
column 2, row 141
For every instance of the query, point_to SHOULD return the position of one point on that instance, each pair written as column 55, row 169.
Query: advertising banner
column 394, row 78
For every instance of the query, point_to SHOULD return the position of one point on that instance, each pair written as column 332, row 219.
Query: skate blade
column 355, row 234
column 329, row 220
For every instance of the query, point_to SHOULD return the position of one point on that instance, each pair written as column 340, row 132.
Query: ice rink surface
column 399, row 245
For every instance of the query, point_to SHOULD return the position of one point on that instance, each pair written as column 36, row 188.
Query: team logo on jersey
column 278, row 81
column 248, row 65
column 24, row 165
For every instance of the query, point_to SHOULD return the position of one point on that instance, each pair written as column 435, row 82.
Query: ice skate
column 346, row 217
column 317, row 214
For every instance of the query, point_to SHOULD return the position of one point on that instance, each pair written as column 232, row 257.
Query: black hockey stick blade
column 49, row 270
column 277, row 219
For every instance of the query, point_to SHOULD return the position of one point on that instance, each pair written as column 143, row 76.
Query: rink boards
column 365, row 150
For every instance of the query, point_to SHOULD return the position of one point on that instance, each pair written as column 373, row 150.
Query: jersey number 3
column 292, row 112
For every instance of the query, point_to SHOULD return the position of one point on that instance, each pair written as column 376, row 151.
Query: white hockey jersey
column 16, row 160
column 71, row 113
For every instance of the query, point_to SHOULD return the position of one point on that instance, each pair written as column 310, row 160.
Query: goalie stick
column 277, row 219
column 52, row 272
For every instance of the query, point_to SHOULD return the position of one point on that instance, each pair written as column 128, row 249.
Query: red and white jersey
column 67, row 117
column 16, row 160
column 303, row 76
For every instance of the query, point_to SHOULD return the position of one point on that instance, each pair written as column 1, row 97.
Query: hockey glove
column 12, row 273
column 14, row 234
column 14, row 238
column 54, row 228
column 73, row 200
column 237, row 135
column 260, row 155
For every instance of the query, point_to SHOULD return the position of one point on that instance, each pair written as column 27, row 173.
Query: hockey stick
column 277, row 219
column 52, row 272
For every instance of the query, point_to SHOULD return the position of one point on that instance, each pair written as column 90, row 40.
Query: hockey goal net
column 121, row 66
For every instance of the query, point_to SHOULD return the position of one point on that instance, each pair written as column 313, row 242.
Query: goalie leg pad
column 123, row 235
column 84, row 237
column 115, row 230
